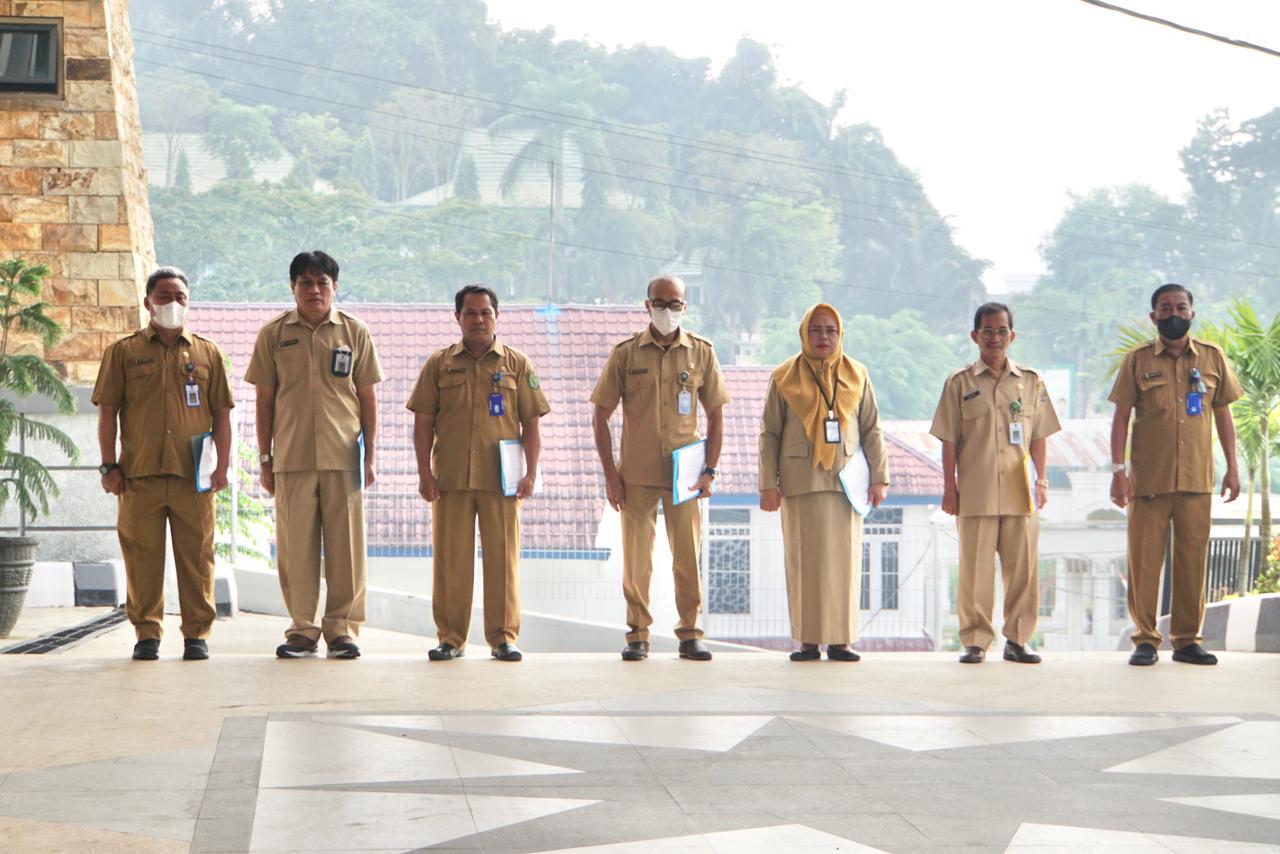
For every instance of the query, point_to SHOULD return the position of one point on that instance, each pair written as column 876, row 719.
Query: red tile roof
column 568, row 346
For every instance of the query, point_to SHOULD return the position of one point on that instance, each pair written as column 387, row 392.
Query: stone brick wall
column 73, row 188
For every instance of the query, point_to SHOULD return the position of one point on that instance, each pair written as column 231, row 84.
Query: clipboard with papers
column 687, row 464
column 855, row 479
column 513, row 467
column 205, row 456
column 360, row 460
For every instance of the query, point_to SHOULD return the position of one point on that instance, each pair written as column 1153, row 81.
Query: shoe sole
column 431, row 656
column 204, row 656
column 626, row 657
column 695, row 657
column 342, row 654
column 1193, row 661
column 1021, row 660
column 287, row 654
column 1133, row 663
column 845, row 660
column 146, row 657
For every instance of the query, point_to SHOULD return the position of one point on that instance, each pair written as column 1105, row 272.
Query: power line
column 1165, row 22
column 872, row 176
column 517, row 156
column 606, row 126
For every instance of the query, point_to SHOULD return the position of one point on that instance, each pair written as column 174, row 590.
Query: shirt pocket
column 974, row 408
column 1155, row 394
column 453, row 391
column 637, row 391
column 142, row 380
column 796, row 450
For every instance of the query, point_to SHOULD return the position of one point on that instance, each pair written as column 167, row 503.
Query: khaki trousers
column 1016, row 539
column 821, row 536
column 321, row 513
column 144, row 507
column 1150, row 519
column 453, row 540
column 684, row 532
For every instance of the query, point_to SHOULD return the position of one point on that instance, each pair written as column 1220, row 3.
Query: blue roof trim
column 529, row 554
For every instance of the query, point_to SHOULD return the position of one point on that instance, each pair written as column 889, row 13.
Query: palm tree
column 1249, row 445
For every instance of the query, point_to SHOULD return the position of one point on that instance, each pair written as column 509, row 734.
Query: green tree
column 466, row 183
column 174, row 104
column 319, row 139
column 363, row 166
column 240, row 135
column 182, row 175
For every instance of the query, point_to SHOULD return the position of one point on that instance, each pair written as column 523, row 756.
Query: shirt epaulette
column 696, row 337
column 633, row 336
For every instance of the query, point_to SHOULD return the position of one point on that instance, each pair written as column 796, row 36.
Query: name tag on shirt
column 342, row 362
column 684, row 402
column 1195, row 402
column 1015, row 433
column 192, row 394
column 496, row 404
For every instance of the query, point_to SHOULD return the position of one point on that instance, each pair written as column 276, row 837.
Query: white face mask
column 665, row 320
column 171, row 315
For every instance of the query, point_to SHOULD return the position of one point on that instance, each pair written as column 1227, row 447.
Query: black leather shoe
column 694, row 650
column 1019, row 653
column 1144, row 655
column 507, row 652
column 343, row 647
column 1194, row 653
column 297, row 646
column 808, row 653
column 147, row 649
column 195, row 649
column 841, row 653
column 446, row 652
column 973, row 655
column 636, row 651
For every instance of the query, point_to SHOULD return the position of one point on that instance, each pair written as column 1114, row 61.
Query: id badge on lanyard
column 497, row 406
column 191, row 391
column 1195, row 396
column 342, row 360
column 831, row 426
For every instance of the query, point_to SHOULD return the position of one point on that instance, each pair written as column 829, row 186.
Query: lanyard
column 829, row 401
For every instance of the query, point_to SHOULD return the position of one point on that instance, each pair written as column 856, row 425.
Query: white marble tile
column 174, row 769
column 165, row 813
column 596, row 729
column 429, row 723
column 303, row 753
column 356, row 821
column 940, row 732
column 690, row 732
column 1261, row 806
column 909, row 732
column 1249, row 749
column 1061, row 839
column 765, row 840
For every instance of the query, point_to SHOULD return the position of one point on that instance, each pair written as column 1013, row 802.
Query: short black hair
column 161, row 273
column 991, row 308
column 306, row 262
column 1164, row 289
column 474, row 289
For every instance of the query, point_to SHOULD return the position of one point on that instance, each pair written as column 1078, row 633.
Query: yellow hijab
column 797, row 381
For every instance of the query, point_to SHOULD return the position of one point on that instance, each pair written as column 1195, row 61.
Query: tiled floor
column 749, row 753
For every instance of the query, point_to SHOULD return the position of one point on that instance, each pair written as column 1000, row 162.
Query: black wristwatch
column 711, row 470
column 107, row 468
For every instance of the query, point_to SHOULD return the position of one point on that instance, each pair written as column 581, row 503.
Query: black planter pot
column 17, row 557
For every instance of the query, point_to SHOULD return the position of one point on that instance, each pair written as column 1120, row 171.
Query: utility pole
column 551, row 246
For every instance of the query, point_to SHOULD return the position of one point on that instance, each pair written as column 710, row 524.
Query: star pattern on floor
column 740, row 771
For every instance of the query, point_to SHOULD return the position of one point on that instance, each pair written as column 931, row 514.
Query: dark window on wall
column 889, row 576
column 1048, row 587
column 30, row 56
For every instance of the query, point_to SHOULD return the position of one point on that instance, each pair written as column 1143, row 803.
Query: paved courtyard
column 899, row 753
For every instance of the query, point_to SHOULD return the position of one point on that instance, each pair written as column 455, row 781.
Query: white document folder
column 855, row 477
column 687, row 464
column 512, row 463
column 205, row 456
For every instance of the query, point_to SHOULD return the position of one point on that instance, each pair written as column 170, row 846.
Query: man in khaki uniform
column 166, row 385
column 1173, row 384
column 316, row 370
column 470, row 396
column 660, row 375
column 992, row 415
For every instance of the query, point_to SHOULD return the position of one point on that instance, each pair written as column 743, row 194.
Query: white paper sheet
column 205, row 456
column 855, row 477
column 687, row 464
column 512, row 463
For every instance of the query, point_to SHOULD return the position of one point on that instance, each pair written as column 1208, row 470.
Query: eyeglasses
column 1002, row 332
column 663, row 305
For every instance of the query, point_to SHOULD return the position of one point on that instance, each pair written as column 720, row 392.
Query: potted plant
column 23, row 478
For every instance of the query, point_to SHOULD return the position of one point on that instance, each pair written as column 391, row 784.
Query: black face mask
column 1173, row 327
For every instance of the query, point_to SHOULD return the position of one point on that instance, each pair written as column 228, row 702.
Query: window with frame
column 728, row 561
column 30, row 56
column 864, row 589
column 889, row 576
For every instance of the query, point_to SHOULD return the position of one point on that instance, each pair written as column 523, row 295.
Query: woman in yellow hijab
column 819, row 411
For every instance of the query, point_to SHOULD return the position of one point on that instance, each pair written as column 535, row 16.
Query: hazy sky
column 1001, row 106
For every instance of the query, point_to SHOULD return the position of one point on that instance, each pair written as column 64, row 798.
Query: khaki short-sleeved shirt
column 648, row 380
column 1172, row 451
column 147, row 381
column 317, row 419
column 455, row 387
column 975, row 412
